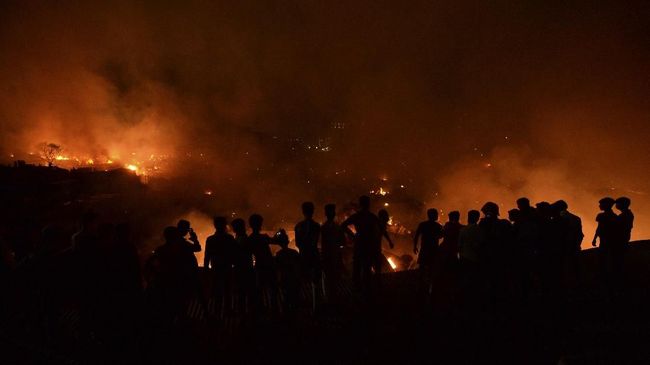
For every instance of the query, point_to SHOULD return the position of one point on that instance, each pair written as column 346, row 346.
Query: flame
column 392, row 263
column 131, row 167
column 381, row 191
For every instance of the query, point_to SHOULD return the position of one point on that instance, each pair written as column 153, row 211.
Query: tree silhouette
column 49, row 152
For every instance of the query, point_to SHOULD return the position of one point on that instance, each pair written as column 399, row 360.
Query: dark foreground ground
column 587, row 327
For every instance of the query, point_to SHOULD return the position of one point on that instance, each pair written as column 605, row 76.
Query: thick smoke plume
column 459, row 103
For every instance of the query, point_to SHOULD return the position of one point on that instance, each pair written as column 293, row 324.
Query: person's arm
column 345, row 226
column 581, row 235
column 596, row 235
column 206, row 256
column 416, row 238
column 196, row 246
column 390, row 242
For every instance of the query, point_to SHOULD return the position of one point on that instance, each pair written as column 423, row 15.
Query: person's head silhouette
column 330, row 211
column 473, row 216
column 238, row 226
column 255, row 221
column 490, row 210
column 606, row 203
column 454, row 216
column 432, row 214
column 623, row 203
column 523, row 203
column 220, row 224
column 171, row 234
column 308, row 210
column 560, row 206
column 281, row 238
column 513, row 215
column 183, row 227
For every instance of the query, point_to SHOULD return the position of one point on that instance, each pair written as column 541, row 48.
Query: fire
column 392, row 263
column 131, row 167
column 381, row 191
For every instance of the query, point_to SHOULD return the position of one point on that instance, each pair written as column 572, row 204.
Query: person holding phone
column 184, row 229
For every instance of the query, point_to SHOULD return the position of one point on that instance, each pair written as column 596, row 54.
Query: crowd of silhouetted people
column 534, row 250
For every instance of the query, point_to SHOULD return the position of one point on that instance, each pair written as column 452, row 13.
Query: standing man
column 332, row 239
column 430, row 232
column 307, row 234
column 367, row 236
column 218, row 261
column 572, row 237
column 184, row 229
column 607, row 233
column 625, row 223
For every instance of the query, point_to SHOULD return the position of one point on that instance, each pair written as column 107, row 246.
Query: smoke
column 427, row 95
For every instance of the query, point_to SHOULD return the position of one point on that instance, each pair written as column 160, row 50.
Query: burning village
column 319, row 182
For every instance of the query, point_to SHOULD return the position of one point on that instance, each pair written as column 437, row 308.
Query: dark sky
column 428, row 91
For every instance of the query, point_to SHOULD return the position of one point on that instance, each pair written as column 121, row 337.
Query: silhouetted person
column 384, row 219
column 428, row 234
column 174, row 275
column 607, row 232
column 470, row 240
column 367, row 238
column 553, row 250
column 625, row 219
column 527, row 236
column 496, row 250
column 514, row 215
column 449, row 244
column 184, row 229
column 264, row 264
column 625, row 223
column 307, row 234
column 218, row 261
column 244, row 274
column 523, row 204
column 288, row 262
column 572, row 237
column 332, row 239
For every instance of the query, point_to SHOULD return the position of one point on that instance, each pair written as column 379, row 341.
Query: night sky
column 460, row 102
